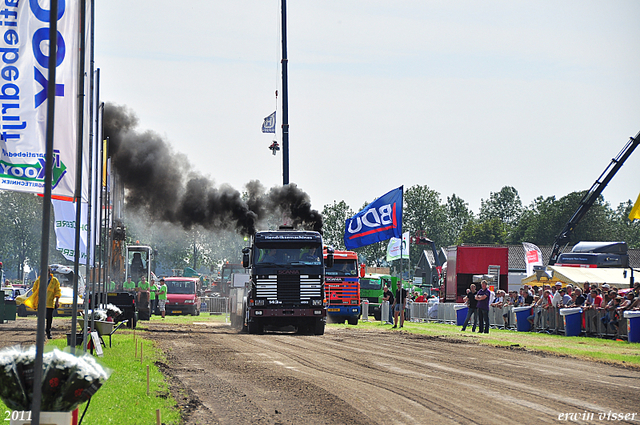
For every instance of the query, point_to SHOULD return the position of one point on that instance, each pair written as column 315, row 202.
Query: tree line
column 501, row 220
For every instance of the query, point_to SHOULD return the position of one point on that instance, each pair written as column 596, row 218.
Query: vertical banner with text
column 24, row 55
column 65, row 227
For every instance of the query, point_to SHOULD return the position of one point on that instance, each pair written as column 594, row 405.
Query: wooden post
column 140, row 352
column 158, row 419
column 147, row 379
column 136, row 354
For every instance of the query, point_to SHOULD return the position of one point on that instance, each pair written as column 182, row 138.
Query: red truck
column 183, row 295
column 463, row 262
column 342, row 288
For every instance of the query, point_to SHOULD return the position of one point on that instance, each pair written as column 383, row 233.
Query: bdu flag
column 379, row 221
column 269, row 124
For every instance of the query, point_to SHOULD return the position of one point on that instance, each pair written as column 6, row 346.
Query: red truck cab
column 342, row 288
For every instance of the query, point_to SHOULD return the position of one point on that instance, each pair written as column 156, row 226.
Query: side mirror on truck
column 245, row 257
column 328, row 262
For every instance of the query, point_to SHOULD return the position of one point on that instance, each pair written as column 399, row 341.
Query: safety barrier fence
column 214, row 305
column 595, row 322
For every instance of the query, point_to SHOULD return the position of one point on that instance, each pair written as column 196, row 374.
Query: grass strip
column 598, row 349
column 123, row 398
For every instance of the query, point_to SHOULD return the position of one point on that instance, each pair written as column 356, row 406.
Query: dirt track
column 354, row 376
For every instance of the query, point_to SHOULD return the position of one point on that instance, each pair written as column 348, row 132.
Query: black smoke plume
column 160, row 182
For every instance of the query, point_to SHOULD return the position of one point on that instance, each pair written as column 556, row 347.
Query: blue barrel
column 572, row 321
column 522, row 318
column 633, row 325
column 461, row 313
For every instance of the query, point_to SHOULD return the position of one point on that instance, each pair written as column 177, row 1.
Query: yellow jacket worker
column 53, row 298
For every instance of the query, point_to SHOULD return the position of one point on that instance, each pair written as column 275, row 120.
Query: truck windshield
column 181, row 287
column 342, row 268
column 296, row 254
column 228, row 271
column 368, row 283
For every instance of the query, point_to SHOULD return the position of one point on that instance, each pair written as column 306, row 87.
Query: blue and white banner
column 269, row 124
column 24, row 55
column 379, row 221
column 65, row 228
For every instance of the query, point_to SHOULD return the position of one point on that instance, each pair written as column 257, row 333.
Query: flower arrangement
column 67, row 380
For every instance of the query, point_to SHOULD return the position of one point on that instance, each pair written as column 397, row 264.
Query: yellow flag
column 635, row 211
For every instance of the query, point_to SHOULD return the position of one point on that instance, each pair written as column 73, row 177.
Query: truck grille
column 288, row 288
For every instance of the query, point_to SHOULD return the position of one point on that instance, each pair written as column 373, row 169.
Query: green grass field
column 606, row 350
column 123, row 398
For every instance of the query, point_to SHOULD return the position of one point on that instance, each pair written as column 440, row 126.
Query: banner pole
column 79, row 163
column 46, row 215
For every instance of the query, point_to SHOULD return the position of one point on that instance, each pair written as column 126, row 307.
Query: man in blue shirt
column 482, row 296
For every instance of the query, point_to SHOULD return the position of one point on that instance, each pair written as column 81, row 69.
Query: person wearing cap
column 569, row 289
column 162, row 297
column 565, row 299
column 129, row 285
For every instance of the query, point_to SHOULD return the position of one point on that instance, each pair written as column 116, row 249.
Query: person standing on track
column 472, row 304
column 399, row 304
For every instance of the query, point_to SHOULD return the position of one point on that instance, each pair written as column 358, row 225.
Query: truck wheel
column 353, row 321
column 22, row 310
column 255, row 327
column 318, row 329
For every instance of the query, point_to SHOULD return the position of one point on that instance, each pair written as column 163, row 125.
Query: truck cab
column 286, row 285
column 372, row 290
column 182, row 295
column 342, row 286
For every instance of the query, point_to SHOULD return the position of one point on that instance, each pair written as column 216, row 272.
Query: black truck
column 286, row 285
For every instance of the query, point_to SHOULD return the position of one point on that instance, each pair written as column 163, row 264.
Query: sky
column 464, row 97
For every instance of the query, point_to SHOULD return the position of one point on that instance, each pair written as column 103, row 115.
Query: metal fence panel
column 214, row 305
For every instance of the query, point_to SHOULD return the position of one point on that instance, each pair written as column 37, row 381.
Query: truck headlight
column 316, row 302
column 189, row 301
column 258, row 312
column 259, row 302
column 318, row 312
